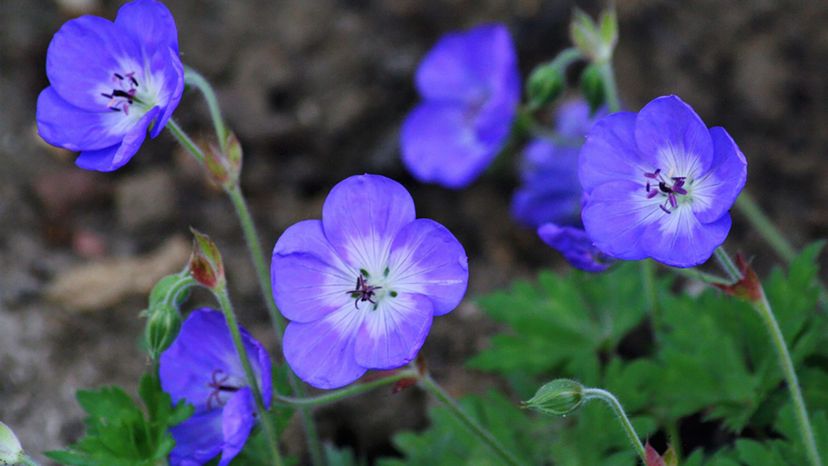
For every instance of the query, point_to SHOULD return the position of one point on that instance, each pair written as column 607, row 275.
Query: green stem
column 765, row 311
column 610, row 87
column 567, row 57
column 230, row 316
column 651, row 297
column 618, row 410
column 195, row 79
column 674, row 437
column 185, row 141
column 726, row 263
column 762, row 224
column 429, row 385
column 696, row 274
column 183, row 284
column 251, row 237
column 263, row 274
column 348, row 392
column 754, row 214
column 254, row 246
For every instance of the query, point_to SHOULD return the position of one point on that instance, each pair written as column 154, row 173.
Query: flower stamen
column 669, row 189
column 363, row 291
column 123, row 96
column 218, row 383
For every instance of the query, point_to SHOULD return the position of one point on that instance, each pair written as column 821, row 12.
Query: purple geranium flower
column 361, row 285
column 576, row 247
column 110, row 82
column 550, row 190
column 660, row 184
column 202, row 367
column 471, row 88
column 550, row 196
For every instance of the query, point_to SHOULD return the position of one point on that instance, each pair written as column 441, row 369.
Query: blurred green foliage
column 713, row 364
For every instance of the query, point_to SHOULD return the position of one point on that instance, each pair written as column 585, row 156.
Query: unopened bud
column 558, row 397
column 217, row 165
column 224, row 164
column 206, row 266
column 545, row 84
column 163, row 325
column 234, row 154
column 11, row 452
column 596, row 41
column 592, row 87
column 168, row 290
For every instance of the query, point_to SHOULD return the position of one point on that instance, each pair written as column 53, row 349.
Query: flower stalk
column 429, row 385
column 610, row 86
column 347, row 392
column 747, row 286
column 748, row 207
column 223, row 298
column 195, row 79
column 618, row 410
column 763, row 308
column 186, row 142
column 251, row 237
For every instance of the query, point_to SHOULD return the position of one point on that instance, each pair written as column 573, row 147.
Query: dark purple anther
column 122, row 97
column 654, row 174
column 363, row 291
column 217, row 384
column 665, row 188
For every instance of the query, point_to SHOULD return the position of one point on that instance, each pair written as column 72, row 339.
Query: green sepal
column 592, row 87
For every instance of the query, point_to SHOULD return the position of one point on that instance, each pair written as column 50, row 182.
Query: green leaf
column 448, row 442
column 560, row 326
column 119, row 432
column 340, row 456
column 717, row 357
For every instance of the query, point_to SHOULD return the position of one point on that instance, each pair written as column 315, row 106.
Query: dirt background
column 316, row 91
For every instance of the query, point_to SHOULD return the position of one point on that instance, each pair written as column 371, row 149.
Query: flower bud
column 217, row 165
column 558, row 397
column 592, row 87
column 163, row 324
column 206, row 266
column 168, row 288
column 596, row 41
column 234, row 154
column 545, row 84
column 11, row 452
column 224, row 165
column 748, row 287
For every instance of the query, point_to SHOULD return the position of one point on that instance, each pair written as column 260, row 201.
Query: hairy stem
column 348, row 392
column 253, row 245
column 696, row 274
column 185, row 141
column 610, row 87
column 195, row 79
column 765, row 311
column 618, row 410
column 748, row 207
column 230, row 317
column 726, row 263
column 428, row 384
